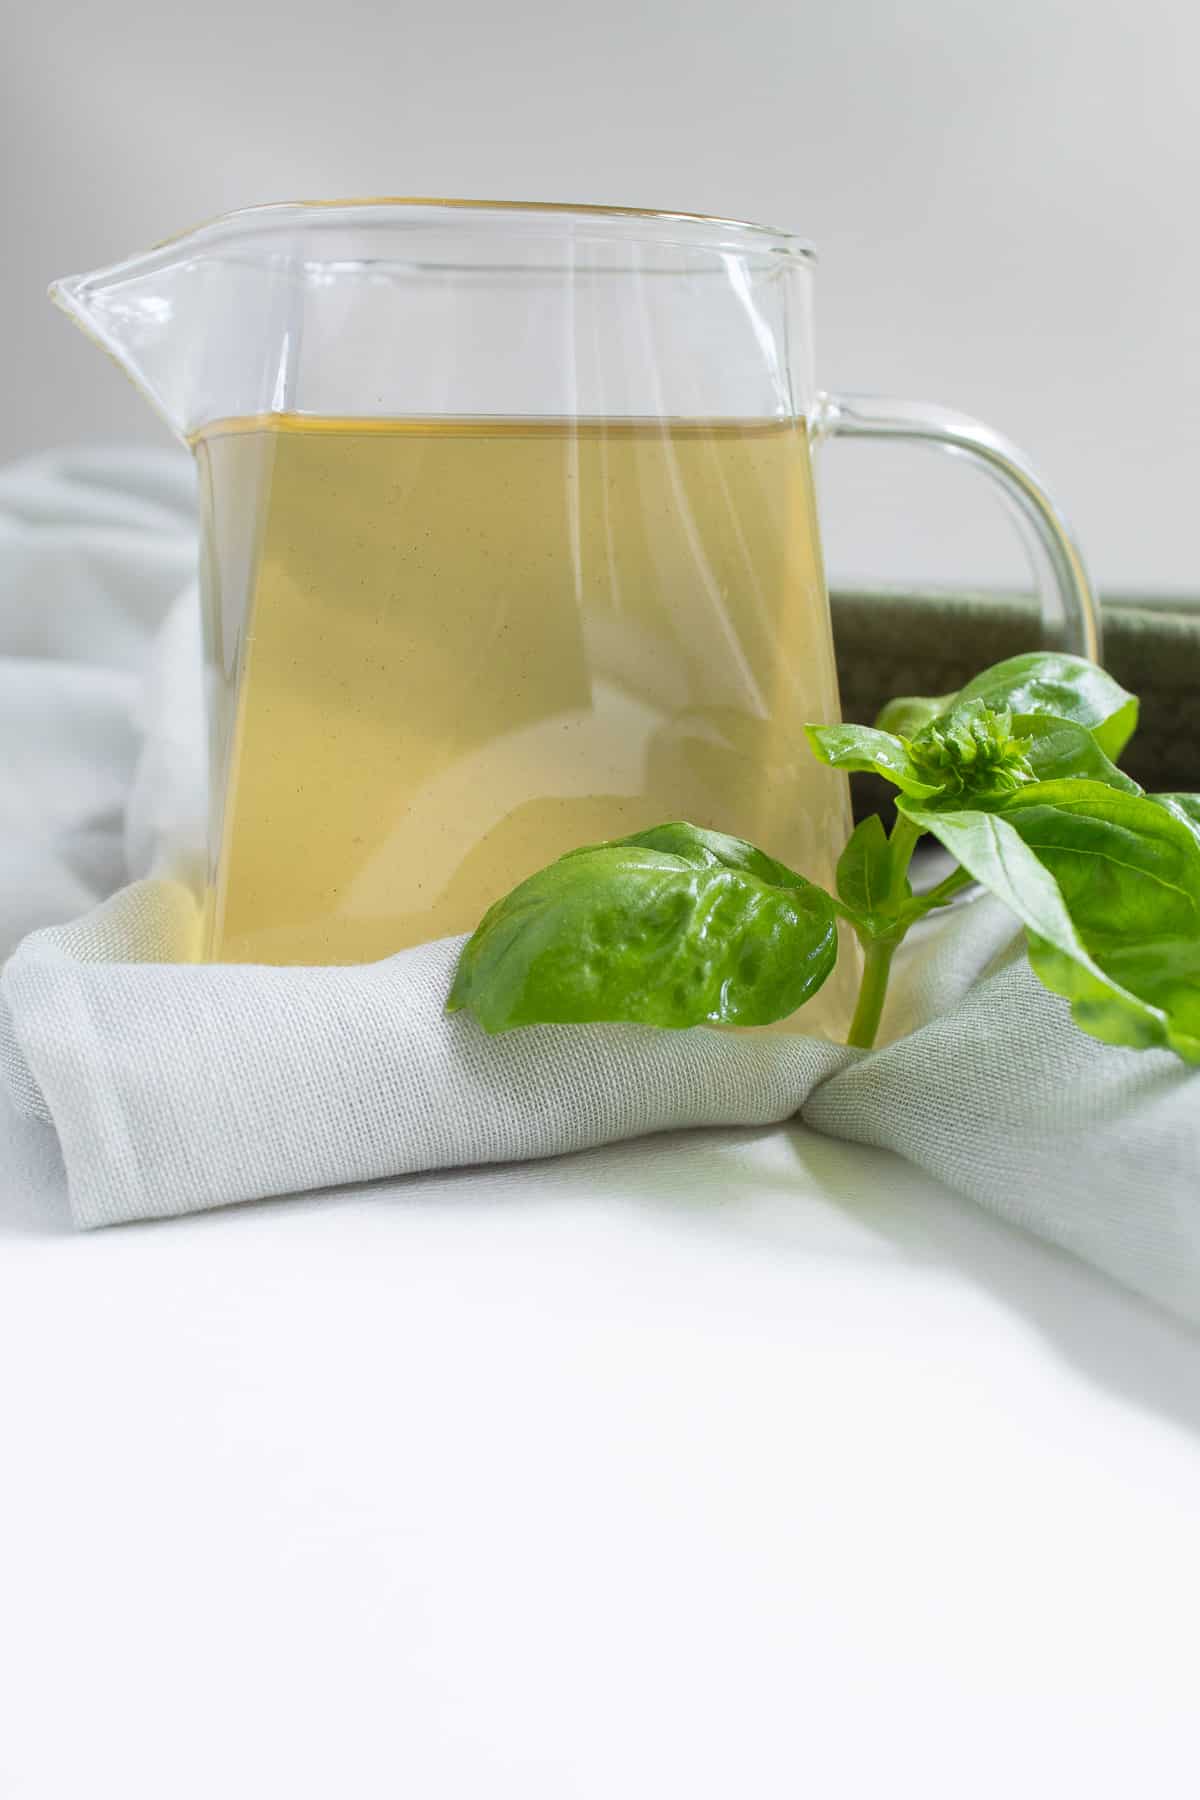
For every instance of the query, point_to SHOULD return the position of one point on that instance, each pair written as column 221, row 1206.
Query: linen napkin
column 173, row 1086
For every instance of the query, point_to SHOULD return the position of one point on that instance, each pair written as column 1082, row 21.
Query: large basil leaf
column 1144, row 891
column 703, row 849
column 1165, row 974
column 1184, row 807
column 1069, row 687
column 1059, row 749
column 994, row 853
column 1127, row 870
column 710, row 931
column 860, row 749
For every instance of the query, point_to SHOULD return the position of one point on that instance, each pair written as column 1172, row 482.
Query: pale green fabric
column 173, row 1088
column 988, row 1084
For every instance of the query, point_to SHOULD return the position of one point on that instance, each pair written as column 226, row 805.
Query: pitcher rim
column 784, row 242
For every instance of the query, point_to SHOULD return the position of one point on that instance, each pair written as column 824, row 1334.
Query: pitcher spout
column 143, row 313
column 199, row 324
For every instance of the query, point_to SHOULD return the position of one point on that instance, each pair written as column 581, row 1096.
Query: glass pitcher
column 509, row 545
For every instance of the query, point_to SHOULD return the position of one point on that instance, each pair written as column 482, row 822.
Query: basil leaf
column 711, row 933
column 909, row 713
column 1069, row 687
column 1127, row 870
column 991, row 850
column 994, row 853
column 862, row 749
column 1165, row 973
column 1184, row 807
column 864, row 877
column 703, row 849
column 1060, row 749
column 1140, row 888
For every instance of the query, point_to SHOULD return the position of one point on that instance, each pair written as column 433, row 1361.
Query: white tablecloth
column 723, row 1465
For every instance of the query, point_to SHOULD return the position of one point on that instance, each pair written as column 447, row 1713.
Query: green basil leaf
column 1088, row 960
column 994, row 853
column 703, row 849
column 718, row 935
column 1060, row 749
column 862, row 749
column 1127, row 870
column 1165, row 974
column 864, row 877
column 1184, row 807
column 1069, row 687
column 909, row 713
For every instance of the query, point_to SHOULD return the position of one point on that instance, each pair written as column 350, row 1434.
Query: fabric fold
column 1005, row 1100
column 174, row 1087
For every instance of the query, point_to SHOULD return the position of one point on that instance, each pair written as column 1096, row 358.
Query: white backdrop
column 1003, row 197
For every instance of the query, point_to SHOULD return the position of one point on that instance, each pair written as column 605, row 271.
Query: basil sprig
column 1015, row 776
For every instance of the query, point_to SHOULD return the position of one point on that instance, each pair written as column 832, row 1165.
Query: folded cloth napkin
column 173, row 1086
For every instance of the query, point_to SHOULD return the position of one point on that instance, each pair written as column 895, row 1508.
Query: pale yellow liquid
column 447, row 651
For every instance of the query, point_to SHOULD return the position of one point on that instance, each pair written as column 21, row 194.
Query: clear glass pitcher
column 509, row 545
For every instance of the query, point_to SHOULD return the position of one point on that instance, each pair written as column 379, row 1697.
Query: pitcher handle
column 1070, row 616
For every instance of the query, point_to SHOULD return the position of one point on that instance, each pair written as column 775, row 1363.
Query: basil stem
column 880, row 945
column 877, row 966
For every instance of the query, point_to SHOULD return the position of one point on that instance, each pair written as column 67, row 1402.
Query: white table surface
column 740, row 1464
